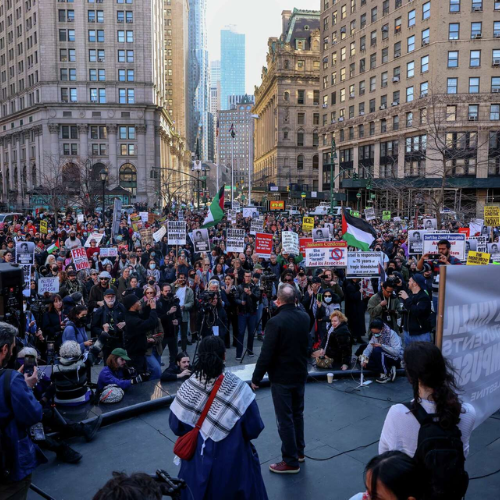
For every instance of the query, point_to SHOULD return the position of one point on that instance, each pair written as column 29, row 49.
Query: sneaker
column 250, row 354
column 302, row 458
column 283, row 468
column 90, row 429
column 393, row 374
column 383, row 379
column 238, row 359
column 68, row 455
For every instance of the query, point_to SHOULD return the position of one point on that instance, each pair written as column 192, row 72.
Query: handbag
column 325, row 361
column 185, row 446
column 111, row 394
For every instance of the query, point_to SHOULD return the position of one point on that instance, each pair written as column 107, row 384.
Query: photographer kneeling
column 384, row 352
column 179, row 370
column 117, row 372
column 212, row 319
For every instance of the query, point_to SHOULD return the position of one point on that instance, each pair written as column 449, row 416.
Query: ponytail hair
column 209, row 361
column 425, row 364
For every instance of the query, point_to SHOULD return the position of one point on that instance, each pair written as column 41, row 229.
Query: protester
column 179, row 370
column 385, row 305
column 117, row 372
column 186, row 303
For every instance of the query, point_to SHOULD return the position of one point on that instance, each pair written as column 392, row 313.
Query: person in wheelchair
column 336, row 344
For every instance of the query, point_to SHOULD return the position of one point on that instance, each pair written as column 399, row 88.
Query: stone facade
column 287, row 102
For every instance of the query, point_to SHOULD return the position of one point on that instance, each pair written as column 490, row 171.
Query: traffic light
column 355, row 176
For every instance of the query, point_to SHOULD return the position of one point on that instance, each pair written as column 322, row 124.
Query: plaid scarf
column 229, row 405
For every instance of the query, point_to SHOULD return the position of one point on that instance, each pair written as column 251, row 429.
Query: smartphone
column 320, row 297
column 434, row 256
column 29, row 365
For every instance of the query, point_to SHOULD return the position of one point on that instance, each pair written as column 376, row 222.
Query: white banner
column 158, row 235
column 471, row 339
column 290, row 242
column 457, row 241
column 256, row 225
column 250, row 211
column 326, row 254
column 144, row 217
column 94, row 236
column 416, row 242
column 235, row 241
column 370, row 213
column 50, row 285
column 363, row 264
column 108, row 252
column 476, row 226
column 176, row 233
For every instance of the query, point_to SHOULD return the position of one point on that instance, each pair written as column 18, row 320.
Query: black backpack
column 440, row 455
column 5, row 458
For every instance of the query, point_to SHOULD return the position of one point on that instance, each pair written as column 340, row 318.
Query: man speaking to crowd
column 284, row 358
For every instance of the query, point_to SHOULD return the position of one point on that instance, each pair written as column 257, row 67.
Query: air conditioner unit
column 362, row 49
column 496, row 35
column 361, row 113
column 395, row 103
column 477, row 8
column 341, row 119
column 477, row 36
column 495, row 91
column 385, row 28
column 101, row 59
column 423, row 94
column 351, row 95
column 496, row 62
column 395, row 79
column 397, row 54
column 119, row 20
column 130, row 20
column 472, row 118
column 325, row 105
column 425, row 42
column 383, row 106
column 91, row 20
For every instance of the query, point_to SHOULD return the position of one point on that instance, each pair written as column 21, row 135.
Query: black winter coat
column 417, row 312
column 136, row 329
column 354, row 308
column 103, row 315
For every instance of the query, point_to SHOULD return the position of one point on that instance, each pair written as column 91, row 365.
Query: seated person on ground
column 117, row 372
column 179, row 370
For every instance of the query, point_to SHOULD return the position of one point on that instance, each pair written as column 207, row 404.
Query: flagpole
column 232, row 172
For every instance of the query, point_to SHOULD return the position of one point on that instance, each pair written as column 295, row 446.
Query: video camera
column 205, row 300
column 267, row 280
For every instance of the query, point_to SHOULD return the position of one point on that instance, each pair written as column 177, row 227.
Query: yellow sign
column 492, row 216
column 478, row 258
column 276, row 205
column 308, row 223
column 44, row 227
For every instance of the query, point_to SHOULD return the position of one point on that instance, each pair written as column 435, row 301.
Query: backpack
column 440, row 453
column 5, row 458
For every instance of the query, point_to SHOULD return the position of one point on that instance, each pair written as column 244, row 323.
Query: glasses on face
column 289, row 280
column 327, row 296
column 103, row 279
column 150, row 293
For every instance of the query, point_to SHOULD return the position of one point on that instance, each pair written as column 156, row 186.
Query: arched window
column 315, row 161
column 300, row 138
column 95, row 171
column 128, row 178
column 315, row 138
column 286, row 96
column 71, row 175
column 33, row 176
column 300, row 162
column 287, row 63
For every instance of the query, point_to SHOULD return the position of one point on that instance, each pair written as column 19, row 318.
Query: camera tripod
column 253, row 333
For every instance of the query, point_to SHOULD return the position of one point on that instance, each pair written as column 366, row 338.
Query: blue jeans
column 423, row 337
column 154, row 366
column 380, row 362
column 245, row 321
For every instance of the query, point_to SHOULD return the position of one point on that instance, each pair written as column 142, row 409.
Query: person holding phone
column 75, row 328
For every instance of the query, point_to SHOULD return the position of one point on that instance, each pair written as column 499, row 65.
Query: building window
column 410, row 69
column 128, row 176
column 409, row 94
column 454, row 5
column 424, row 89
column 495, row 84
column 395, row 122
column 301, row 97
column 411, row 18
column 475, row 58
column 300, row 138
column 411, row 43
column 454, row 31
column 300, row 162
column 452, row 86
column 495, row 112
column 426, row 36
column 473, row 112
column 426, row 10
column 451, row 113
column 453, row 59
column 476, row 30
column 424, row 64
column 474, row 85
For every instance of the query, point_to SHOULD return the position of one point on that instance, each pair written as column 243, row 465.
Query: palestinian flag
column 54, row 247
column 216, row 210
column 357, row 232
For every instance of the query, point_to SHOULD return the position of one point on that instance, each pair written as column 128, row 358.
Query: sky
column 258, row 20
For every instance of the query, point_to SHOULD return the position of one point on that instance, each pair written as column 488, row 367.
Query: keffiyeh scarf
column 232, row 400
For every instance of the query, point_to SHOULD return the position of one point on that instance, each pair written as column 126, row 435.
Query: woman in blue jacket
column 75, row 328
column 116, row 372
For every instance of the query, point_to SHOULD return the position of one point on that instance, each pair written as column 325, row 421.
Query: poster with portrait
column 200, row 240
column 25, row 253
column 416, row 242
column 494, row 251
column 321, row 234
column 430, row 224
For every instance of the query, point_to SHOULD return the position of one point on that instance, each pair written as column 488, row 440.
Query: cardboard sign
column 303, row 242
column 290, row 242
column 44, row 227
column 386, row 215
column 176, row 233
column 25, row 253
column 363, row 264
column 144, row 216
column 263, row 245
column 326, row 254
column 108, row 252
column 80, row 258
column 50, row 285
column 158, row 235
column 94, row 236
column 478, row 258
column 308, row 224
column 416, row 242
column 146, row 236
column 370, row 213
column 492, row 216
column 235, row 240
column 456, row 240
column 256, row 225
column 276, row 205
column 494, row 250
column 201, row 241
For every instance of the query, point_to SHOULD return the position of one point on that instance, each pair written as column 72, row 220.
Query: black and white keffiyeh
column 232, row 400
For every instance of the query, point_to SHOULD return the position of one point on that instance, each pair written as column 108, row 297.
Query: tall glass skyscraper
column 232, row 79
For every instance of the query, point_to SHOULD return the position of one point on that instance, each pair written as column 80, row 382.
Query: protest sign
column 144, row 217
column 475, row 227
column 492, row 216
column 117, row 215
column 468, row 336
column 80, row 258
column 80, row 217
column 50, row 285
column 303, row 242
column 235, row 241
column 386, row 215
column 363, row 264
column 44, row 227
column 249, row 212
column 108, row 252
column 494, row 250
column 94, row 236
column 200, row 240
column 290, row 242
column 478, row 258
column 176, row 233
column 231, row 215
column 26, row 274
column 430, row 224
column 326, row 254
column 321, row 234
column 456, row 240
column 263, row 245
column 146, row 236
column 370, row 213
column 256, row 225
column 416, row 242
column 276, row 205
column 464, row 230
column 25, row 253
column 158, row 235
column 308, row 224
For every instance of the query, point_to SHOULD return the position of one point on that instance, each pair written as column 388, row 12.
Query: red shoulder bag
column 185, row 446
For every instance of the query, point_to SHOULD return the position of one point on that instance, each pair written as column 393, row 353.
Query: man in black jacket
column 284, row 357
column 169, row 312
column 135, row 339
column 417, row 310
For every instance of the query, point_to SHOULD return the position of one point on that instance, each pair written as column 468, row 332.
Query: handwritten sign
column 478, row 258
column 80, row 258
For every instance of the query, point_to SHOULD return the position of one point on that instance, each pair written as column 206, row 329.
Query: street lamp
column 103, row 174
column 303, row 196
column 358, row 196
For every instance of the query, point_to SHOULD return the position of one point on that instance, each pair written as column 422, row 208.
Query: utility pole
column 333, row 155
column 233, row 135
column 198, row 173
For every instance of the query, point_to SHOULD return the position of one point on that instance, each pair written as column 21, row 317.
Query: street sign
column 386, row 215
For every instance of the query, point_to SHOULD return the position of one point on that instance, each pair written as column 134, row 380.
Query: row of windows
column 474, row 58
column 98, row 132
column 96, row 16
column 302, row 97
column 474, row 85
column 125, row 96
column 71, row 149
column 88, row 1
column 124, row 75
column 476, row 30
column 122, row 36
column 96, row 55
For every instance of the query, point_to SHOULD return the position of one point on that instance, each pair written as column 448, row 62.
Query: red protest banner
column 263, row 245
column 465, row 230
column 303, row 242
column 80, row 258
